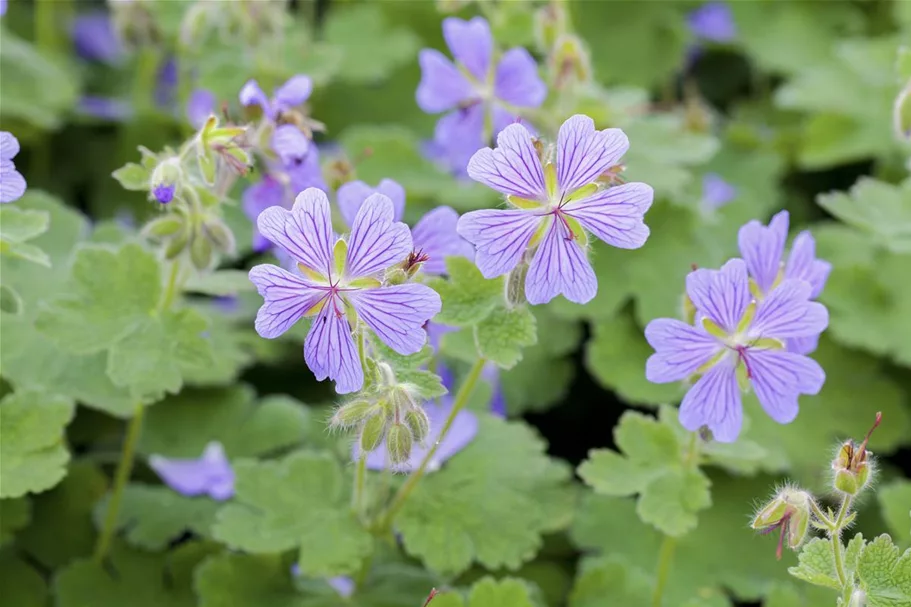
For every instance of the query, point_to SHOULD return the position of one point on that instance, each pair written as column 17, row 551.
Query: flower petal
column 721, row 295
column 442, row 85
column 12, row 183
column 513, row 167
column 293, row 92
column 305, row 231
column 615, row 215
column 762, row 248
column 457, row 136
column 211, row 474
column 517, row 81
column 803, row 345
column 256, row 199
column 714, row 401
column 290, row 144
column 95, row 39
column 560, row 267
column 435, row 234
column 351, row 196
column 377, row 241
column 713, row 21
column 287, row 297
column 471, row 44
column 803, row 265
column 584, row 153
column 500, row 237
column 251, row 94
column 9, row 145
column 306, row 174
column 397, row 314
column 788, row 312
column 329, row 350
column 680, row 349
column 779, row 376
column 200, row 106
column 716, row 192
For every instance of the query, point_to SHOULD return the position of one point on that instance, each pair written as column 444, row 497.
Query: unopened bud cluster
column 852, row 464
column 789, row 512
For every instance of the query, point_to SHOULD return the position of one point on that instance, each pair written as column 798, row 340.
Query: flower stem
column 360, row 476
column 665, row 558
column 835, row 539
column 120, row 480
column 460, row 401
column 171, row 287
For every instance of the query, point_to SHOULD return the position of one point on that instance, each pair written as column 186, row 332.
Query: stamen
column 742, row 355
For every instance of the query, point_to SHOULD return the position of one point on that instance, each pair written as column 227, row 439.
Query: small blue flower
column 12, row 184
column 95, row 39
column 210, row 475
column 713, row 22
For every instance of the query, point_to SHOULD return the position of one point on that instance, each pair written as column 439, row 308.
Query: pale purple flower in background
column 105, row 108
column 295, row 91
column 12, row 183
column 328, row 287
column 716, row 192
column 343, row 585
column 434, row 236
column 95, row 38
column 763, row 250
column 481, row 95
column 736, row 339
column 491, row 374
column 714, row 22
column 200, row 106
column 290, row 144
column 553, row 206
column 2, row 7
column 257, row 198
column 210, row 475
column 166, row 89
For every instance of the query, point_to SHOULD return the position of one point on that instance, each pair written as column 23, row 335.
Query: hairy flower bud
column 165, row 180
column 570, row 61
column 220, row 235
column 398, row 443
column 177, row 244
column 515, row 285
column 372, row 433
column 163, row 227
column 353, row 413
column 201, row 253
column 851, row 464
column 550, row 24
column 419, row 423
column 788, row 511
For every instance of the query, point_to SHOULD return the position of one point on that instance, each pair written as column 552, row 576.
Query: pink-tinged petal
column 12, row 183
column 442, row 85
column 377, row 241
column 584, row 153
column 397, row 314
column 251, row 94
column 803, row 265
column 803, row 345
column 560, row 267
column 517, row 81
column 435, row 234
column 329, row 350
column 714, row 401
column 211, row 474
column 471, row 44
column 287, row 297
column 762, row 248
column 500, row 237
column 721, row 295
column 294, row 91
column 788, row 312
column 680, row 349
column 513, row 167
column 615, row 215
column 779, row 376
column 305, row 231
column 9, row 145
column 352, row 195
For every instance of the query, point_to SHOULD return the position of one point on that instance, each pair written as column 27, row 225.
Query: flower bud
column 419, row 423
column 398, row 443
column 177, row 244
column 550, row 24
column 353, row 413
column 165, row 226
column 788, row 511
column 851, row 465
column 515, row 285
column 396, row 276
column 165, row 179
column 372, row 433
column 570, row 61
column 201, row 253
column 219, row 235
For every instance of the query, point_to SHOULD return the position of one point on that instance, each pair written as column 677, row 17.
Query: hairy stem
column 835, row 539
column 460, row 401
column 120, row 480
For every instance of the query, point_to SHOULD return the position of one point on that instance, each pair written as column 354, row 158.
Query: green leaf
column 139, row 580
column 489, row 592
column 10, row 302
column 62, row 529
column 14, row 515
column 505, row 473
column 33, row 457
column 816, row 564
column 610, row 581
column 468, row 297
column 22, row 585
column 220, row 283
column 298, row 503
column 880, row 209
column 371, row 49
column 18, row 226
column 181, row 426
column 895, row 500
column 502, row 335
column 671, row 489
column 232, row 347
column 885, row 573
column 153, row 516
column 132, row 176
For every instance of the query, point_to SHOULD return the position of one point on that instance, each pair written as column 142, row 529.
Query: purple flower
column 290, row 144
column 12, row 183
column 211, row 474
column 736, row 342
column 434, row 236
column 167, row 83
column 343, row 585
column 553, row 207
column 95, row 39
column 292, row 93
column 491, row 374
column 200, row 106
column 106, row 108
column 762, row 248
column 164, row 193
column 713, row 21
column 257, row 198
column 475, row 91
column 716, row 192
column 2, row 7
column 339, row 277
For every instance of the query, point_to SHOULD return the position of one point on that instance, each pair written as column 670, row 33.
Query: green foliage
column 816, row 564
column 610, row 579
column 895, row 501
column 23, row 586
column 17, row 227
column 489, row 592
column 296, row 503
column 14, row 515
column 884, row 573
column 501, row 336
column 881, row 210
